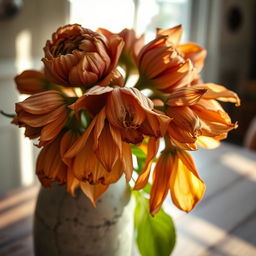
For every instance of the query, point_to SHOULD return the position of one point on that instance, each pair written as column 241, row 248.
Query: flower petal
column 218, row 92
column 160, row 184
column 93, row 192
column 174, row 34
column 185, row 96
column 185, row 184
column 152, row 150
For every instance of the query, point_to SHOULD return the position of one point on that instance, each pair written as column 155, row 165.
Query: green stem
column 7, row 115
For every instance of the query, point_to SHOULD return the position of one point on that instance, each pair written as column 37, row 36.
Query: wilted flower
column 43, row 114
column 196, row 113
column 51, row 168
column 92, row 159
column 163, row 67
column 191, row 51
column 175, row 171
column 126, row 109
column 80, row 57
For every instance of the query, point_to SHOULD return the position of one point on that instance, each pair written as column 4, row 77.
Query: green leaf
column 155, row 235
column 139, row 153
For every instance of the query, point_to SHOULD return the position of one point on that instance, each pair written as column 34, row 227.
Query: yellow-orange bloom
column 175, row 171
column 43, row 114
column 127, row 109
column 197, row 115
column 99, row 156
column 31, row 82
column 80, row 57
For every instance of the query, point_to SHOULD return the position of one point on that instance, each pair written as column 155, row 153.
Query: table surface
column 223, row 224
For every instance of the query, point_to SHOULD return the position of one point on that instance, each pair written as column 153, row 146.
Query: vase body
column 71, row 226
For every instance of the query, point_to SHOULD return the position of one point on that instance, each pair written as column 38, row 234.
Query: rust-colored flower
column 80, row 57
column 132, row 46
column 127, row 109
column 99, row 156
column 43, row 114
column 51, row 168
column 163, row 67
column 191, row 51
column 31, row 82
column 197, row 115
column 175, row 171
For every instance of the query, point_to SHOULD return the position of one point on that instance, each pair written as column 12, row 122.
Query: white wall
column 22, row 40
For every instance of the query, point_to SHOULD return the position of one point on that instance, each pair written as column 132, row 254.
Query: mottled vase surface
column 71, row 226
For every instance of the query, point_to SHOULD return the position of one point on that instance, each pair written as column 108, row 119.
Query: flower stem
column 6, row 114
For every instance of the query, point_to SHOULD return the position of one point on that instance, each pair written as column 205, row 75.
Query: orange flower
column 127, row 109
column 31, row 82
column 196, row 113
column 175, row 171
column 80, row 57
column 51, row 168
column 132, row 46
column 99, row 156
column 43, row 114
column 162, row 66
column 192, row 51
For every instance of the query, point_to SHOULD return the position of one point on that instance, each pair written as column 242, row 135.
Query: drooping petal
column 93, row 192
column 160, row 184
column 152, row 149
column 185, row 184
column 72, row 182
column 50, row 167
column 127, row 161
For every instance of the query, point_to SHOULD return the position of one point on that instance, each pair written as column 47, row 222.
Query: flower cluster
column 86, row 118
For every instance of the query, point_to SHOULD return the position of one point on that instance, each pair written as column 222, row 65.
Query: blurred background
column 226, row 28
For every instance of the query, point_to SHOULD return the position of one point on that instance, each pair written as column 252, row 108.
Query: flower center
column 67, row 45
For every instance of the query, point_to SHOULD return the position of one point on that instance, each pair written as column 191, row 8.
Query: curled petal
column 41, row 103
column 31, row 82
column 124, row 109
column 185, row 96
column 114, row 78
column 185, row 118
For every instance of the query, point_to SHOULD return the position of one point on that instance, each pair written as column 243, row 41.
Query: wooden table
column 223, row 224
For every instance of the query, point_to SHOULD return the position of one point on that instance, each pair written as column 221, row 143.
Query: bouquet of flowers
column 89, row 122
